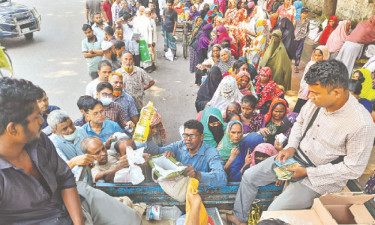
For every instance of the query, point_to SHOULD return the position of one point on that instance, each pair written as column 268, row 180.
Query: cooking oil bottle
column 142, row 129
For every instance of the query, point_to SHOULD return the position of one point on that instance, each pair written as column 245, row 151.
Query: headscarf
column 161, row 136
column 270, row 90
column 226, row 144
column 208, row 136
column 250, row 4
column 363, row 32
column 240, row 16
column 204, row 39
column 337, row 37
column 232, row 104
column 250, row 67
column 249, row 88
column 193, row 15
column 231, row 13
column 275, row 102
column 209, row 86
column 225, row 66
column 287, row 29
column 226, row 92
column 221, row 4
column 276, row 57
column 324, row 50
column 274, row 21
column 204, row 11
column 208, row 14
column 328, row 30
column 298, row 5
column 367, row 91
column 264, row 148
column 223, row 34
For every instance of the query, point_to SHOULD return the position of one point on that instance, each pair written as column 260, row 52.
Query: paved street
column 54, row 61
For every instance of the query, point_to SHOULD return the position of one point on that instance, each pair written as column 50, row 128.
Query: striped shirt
column 348, row 132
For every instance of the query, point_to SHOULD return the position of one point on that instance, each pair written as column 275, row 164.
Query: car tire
column 29, row 36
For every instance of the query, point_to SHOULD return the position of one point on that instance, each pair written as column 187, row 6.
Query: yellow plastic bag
column 193, row 188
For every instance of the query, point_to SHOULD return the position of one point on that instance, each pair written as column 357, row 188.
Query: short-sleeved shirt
column 301, row 30
column 91, row 88
column 99, row 32
column 108, row 128
column 94, row 7
column 170, row 19
column 49, row 110
column 92, row 63
column 134, row 84
column 24, row 200
column 107, row 10
column 127, row 104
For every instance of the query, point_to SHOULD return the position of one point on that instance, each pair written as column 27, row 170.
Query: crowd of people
column 241, row 54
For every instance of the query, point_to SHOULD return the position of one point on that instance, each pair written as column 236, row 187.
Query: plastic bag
column 143, row 50
column 175, row 187
column 169, row 55
column 165, row 168
column 134, row 173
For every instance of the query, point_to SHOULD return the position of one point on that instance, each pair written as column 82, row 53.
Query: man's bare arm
column 73, row 204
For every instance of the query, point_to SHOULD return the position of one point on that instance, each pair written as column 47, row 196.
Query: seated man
column 112, row 110
column 126, row 101
column 44, row 107
column 99, row 126
column 203, row 162
column 121, row 144
column 332, row 138
column 104, row 69
column 106, row 166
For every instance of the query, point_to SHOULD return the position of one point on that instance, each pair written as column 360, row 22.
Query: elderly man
column 109, row 54
column 124, row 99
column 136, row 80
column 91, row 50
column 98, row 26
column 332, row 139
column 104, row 69
column 68, row 139
column 203, row 162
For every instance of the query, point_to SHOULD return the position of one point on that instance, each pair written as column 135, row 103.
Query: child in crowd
column 301, row 31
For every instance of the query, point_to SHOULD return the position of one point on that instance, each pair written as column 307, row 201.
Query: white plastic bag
column 169, row 55
column 314, row 29
column 134, row 173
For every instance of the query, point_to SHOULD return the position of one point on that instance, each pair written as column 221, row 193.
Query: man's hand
column 298, row 172
column 167, row 154
column 84, row 160
column 123, row 161
column 147, row 157
column 285, row 154
column 131, row 124
column 190, row 171
column 264, row 131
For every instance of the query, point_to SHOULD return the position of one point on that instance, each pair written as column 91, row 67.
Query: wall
column 353, row 10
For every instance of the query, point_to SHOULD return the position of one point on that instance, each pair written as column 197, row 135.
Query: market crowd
column 242, row 54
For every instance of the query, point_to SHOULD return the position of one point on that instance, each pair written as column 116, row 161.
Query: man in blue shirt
column 44, row 106
column 91, row 50
column 99, row 126
column 203, row 161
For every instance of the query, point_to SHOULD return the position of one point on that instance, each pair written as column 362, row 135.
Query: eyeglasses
column 105, row 95
column 187, row 136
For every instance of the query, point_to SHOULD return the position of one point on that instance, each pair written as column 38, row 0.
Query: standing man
column 109, row 54
column 29, row 161
column 131, row 45
column 109, row 33
column 119, row 48
column 136, row 80
column 332, row 138
column 92, row 7
column 116, row 7
column 92, row 50
column 170, row 25
column 108, row 11
column 98, row 26
column 301, row 30
column 104, row 69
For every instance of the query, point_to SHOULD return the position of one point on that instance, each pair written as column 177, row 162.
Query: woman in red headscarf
column 266, row 89
column 332, row 24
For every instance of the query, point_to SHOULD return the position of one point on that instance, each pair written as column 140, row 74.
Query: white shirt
column 99, row 32
column 91, row 87
column 162, row 6
column 115, row 11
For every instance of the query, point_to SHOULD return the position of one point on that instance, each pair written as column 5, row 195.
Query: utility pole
column 329, row 7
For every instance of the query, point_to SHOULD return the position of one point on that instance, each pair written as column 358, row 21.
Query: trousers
column 299, row 48
column 295, row 196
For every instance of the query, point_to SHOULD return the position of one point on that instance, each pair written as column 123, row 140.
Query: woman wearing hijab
column 226, row 61
column 320, row 53
column 276, row 58
column 298, row 5
column 221, row 4
column 204, row 42
column 244, row 83
column 193, row 53
column 246, row 147
column 258, row 46
column 205, row 10
column 226, row 92
column 337, row 38
column 274, row 21
column 363, row 34
column 208, row 88
column 207, row 64
column 364, row 76
column 266, row 89
column 250, row 68
column 231, row 12
column 214, row 126
column 332, row 24
column 261, row 153
column 194, row 13
column 287, row 29
column 221, row 34
column 278, row 120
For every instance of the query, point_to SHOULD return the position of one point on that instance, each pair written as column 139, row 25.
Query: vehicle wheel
column 184, row 46
column 29, row 36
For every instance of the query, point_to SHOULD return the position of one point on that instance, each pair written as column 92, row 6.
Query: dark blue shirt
column 49, row 110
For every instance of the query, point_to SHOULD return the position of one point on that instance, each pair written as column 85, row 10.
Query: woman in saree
column 231, row 12
column 258, row 46
column 332, row 24
column 337, row 38
column 192, row 47
column 226, row 61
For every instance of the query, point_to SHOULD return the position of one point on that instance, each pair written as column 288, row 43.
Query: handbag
column 143, row 50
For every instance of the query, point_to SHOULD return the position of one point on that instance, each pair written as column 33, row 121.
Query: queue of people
column 241, row 54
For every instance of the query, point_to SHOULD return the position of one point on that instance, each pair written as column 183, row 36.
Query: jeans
column 299, row 48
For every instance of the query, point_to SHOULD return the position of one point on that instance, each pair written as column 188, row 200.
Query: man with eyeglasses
column 203, row 161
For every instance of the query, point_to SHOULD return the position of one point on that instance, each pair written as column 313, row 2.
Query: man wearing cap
column 301, row 31
column 109, row 54
column 131, row 45
column 91, row 49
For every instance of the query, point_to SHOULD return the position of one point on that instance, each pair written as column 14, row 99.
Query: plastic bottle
column 143, row 126
column 157, row 212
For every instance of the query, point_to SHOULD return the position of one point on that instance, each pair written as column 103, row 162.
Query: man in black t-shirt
column 170, row 25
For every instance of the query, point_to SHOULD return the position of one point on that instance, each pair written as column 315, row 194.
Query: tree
column 329, row 7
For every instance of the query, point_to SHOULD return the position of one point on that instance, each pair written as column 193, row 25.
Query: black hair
column 170, row 1
column 104, row 63
column 41, row 93
column 272, row 221
column 103, row 85
column 331, row 73
column 231, row 115
column 109, row 30
column 194, row 124
column 119, row 44
column 373, row 106
column 17, row 98
column 250, row 99
column 361, row 78
column 87, row 103
column 238, row 64
column 86, row 26
column 355, row 86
